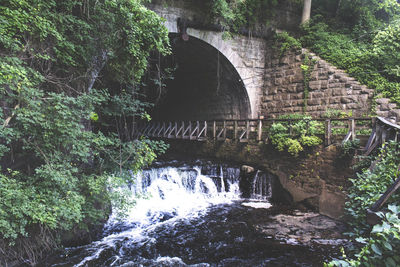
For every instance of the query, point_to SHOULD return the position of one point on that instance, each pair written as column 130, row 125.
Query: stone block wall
column 329, row 87
column 387, row 110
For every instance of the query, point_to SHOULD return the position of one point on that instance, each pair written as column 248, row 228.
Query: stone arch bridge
column 247, row 77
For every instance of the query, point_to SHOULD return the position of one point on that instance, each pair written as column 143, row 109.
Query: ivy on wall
column 307, row 67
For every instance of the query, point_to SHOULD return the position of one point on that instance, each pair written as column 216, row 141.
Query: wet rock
column 247, row 169
column 304, row 228
column 246, row 177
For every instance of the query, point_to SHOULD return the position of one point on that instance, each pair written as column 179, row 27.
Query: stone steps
column 329, row 88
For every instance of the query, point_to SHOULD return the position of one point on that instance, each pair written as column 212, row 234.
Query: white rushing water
column 179, row 193
column 169, row 194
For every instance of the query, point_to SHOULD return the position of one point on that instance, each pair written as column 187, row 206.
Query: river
column 195, row 214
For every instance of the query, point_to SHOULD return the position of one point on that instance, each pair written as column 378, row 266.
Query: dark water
column 196, row 220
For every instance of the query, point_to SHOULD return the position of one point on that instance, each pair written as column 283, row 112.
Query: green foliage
column 310, row 141
column 307, row 67
column 68, row 87
column 381, row 245
column 293, row 136
column 348, row 148
column 367, row 15
column 286, row 42
column 368, row 186
column 372, row 60
column 386, row 45
column 236, row 14
column 336, row 113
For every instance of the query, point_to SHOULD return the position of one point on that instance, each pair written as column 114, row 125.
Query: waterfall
column 261, row 186
column 182, row 192
column 172, row 192
column 172, row 200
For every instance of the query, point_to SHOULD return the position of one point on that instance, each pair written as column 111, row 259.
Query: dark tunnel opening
column 205, row 85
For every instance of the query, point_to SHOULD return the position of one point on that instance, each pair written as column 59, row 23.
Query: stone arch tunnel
column 205, row 85
column 255, row 79
column 240, row 62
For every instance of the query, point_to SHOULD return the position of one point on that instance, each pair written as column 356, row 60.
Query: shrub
column 302, row 134
column 349, row 147
column 379, row 246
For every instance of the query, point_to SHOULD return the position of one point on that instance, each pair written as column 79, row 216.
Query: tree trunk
column 306, row 11
column 98, row 64
column 338, row 8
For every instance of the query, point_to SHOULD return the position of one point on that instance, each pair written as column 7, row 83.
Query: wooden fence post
column 163, row 128
column 235, row 125
column 384, row 134
column 224, row 134
column 328, row 132
column 214, row 130
column 247, row 129
column 352, row 129
column 259, row 131
column 378, row 133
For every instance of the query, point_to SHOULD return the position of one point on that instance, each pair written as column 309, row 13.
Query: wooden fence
column 251, row 130
column 375, row 130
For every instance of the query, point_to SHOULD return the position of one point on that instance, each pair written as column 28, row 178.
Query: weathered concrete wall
column 317, row 179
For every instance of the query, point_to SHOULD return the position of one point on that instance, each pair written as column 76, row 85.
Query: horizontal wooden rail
column 332, row 130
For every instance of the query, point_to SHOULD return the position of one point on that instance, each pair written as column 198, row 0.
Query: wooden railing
column 382, row 131
column 333, row 130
